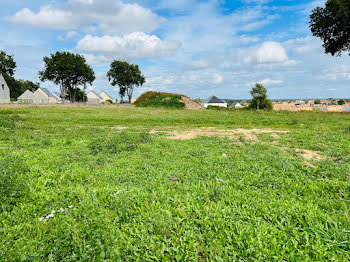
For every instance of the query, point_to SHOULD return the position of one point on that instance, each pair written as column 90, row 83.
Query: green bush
column 155, row 99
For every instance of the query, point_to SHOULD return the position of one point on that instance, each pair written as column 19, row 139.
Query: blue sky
column 195, row 47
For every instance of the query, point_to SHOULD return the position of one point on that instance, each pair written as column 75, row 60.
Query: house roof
column 235, row 104
column 57, row 95
column 46, row 91
column 96, row 94
column 214, row 99
column 105, row 93
column 26, row 95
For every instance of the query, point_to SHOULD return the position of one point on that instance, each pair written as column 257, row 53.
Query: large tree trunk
column 63, row 92
column 130, row 91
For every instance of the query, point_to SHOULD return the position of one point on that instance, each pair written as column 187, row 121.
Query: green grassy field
column 131, row 193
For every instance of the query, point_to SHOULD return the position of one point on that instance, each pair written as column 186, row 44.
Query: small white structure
column 4, row 91
column 26, row 98
column 214, row 101
column 236, row 105
column 106, row 97
column 93, row 98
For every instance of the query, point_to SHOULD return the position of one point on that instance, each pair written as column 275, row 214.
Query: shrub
column 156, row 99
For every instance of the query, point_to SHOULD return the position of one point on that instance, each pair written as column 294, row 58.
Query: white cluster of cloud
column 136, row 45
column 110, row 16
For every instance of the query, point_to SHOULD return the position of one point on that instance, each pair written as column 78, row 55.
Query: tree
column 341, row 102
column 317, row 102
column 69, row 71
column 332, row 25
column 79, row 96
column 259, row 100
column 126, row 76
column 7, row 64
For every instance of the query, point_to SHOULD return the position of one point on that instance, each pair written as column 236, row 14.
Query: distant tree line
column 72, row 74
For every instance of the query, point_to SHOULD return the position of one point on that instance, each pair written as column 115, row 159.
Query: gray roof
column 234, row 104
column 46, row 91
column 213, row 99
column 57, row 95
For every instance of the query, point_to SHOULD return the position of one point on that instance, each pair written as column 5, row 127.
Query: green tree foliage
column 260, row 100
column 332, row 25
column 341, row 102
column 126, row 76
column 79, row 96
column 7, row 64
column 317, row 101
column 69, row 71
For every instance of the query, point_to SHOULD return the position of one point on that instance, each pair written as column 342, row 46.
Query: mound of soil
column 190, row 104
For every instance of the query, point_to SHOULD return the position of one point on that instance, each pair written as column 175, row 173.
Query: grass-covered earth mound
column 158, row 99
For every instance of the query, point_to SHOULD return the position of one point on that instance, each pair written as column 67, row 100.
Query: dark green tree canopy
column 69, row 71
column 126, row 76
column 7, row 64
column 332, row 25
column 260, row 100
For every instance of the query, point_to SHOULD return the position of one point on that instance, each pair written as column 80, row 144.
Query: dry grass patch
column 246, row 134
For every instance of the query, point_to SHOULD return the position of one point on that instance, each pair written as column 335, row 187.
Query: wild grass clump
column 8, row 118
column 157, row 99
column 12, row 177
column 119, row 142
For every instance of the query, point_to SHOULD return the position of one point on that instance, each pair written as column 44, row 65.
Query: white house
column 4, row 91
column 236, row 105
column 26, row 98
column 93, row 98
column 106, row 97
column 40, row 96
column 214, row 101
column 44, row 96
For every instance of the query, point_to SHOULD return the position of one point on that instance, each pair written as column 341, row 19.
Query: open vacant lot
column 137, row 184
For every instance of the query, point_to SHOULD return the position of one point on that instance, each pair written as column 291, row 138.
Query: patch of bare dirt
column 309, row 154
column 190, row 104
column 243, row 134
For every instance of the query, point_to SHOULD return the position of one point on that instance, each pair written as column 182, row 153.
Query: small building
column 4, row 91
column 93, row 98
column 44, row 96
column 236, row 105
column 26, row 98
column 214, row 101
column 106, row 97
column 299, row 102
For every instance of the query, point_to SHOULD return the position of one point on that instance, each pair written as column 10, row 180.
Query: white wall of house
column 26, row 98
column 40, row 97
column 215, row 104
column 4, row 91
column 92, row 98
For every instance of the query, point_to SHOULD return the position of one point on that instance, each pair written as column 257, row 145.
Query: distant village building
column 40, row 96
column 214, row 101
column 44, row 96
column 236, row 105
column 106, row 97
column 94, row 98
column 26, row 98
column 300, row 102
column 4, row 91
